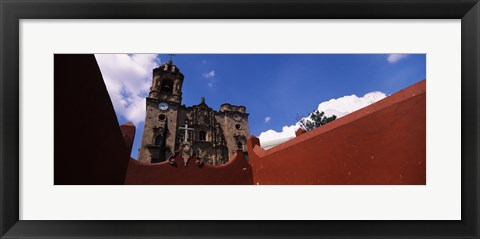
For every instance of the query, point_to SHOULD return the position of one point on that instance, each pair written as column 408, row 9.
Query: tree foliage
column 316, row 119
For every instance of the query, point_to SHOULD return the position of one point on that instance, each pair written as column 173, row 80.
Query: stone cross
column 186, row 131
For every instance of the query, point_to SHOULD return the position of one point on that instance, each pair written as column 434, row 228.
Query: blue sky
column 275, row 88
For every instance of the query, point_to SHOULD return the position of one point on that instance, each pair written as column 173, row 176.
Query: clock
column 163, row 106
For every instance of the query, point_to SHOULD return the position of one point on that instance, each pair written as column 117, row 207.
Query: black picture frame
column 12, row 11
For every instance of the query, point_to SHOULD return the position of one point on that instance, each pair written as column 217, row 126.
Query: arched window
column 202, row 136
column 240, row 145
column 167, row 86
column 158, row 140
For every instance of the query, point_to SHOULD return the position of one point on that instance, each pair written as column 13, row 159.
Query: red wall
column 236, row 171
column 89, row 148
column 384, row 143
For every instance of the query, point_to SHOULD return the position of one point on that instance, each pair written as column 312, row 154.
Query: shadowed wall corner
column 88, row 143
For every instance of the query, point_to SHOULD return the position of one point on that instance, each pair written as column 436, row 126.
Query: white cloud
column 339, row 107
column 270, row 137
column 267, row 119
column 128, row 79
column 392, row 58
column 348, row 104
column 209, row 74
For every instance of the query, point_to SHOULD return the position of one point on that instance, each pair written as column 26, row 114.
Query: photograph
column 241, row 119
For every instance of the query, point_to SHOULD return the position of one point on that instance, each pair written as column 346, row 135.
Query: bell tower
column 163, row 104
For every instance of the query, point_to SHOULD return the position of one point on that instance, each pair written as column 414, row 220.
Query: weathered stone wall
column 234, row 124
column 155, row 124
column 206, row 138
column 215, row 136
column 166, row 88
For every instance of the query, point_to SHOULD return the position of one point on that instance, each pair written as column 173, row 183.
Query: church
column 214, row 136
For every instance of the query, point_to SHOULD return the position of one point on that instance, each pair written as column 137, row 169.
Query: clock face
column 163, row 106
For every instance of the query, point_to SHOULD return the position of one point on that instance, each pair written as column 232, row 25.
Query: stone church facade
column 213, row 135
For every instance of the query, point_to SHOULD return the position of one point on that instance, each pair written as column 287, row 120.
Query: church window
column 158, row 140
column 202, row 136
column 162, row 117
column 240, row 145
column 167, row 86
column 238, row 126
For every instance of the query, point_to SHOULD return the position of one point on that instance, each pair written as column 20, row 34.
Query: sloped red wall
column 88, row 144
column 384, row 143
column 236, row 171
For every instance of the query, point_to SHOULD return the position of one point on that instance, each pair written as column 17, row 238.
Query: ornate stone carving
column 213, row 136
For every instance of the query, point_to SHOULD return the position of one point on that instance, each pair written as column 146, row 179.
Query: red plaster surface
column 300, row 131
column 236, row 172
column 128, row 134
column 88, row 144
column 384, row 143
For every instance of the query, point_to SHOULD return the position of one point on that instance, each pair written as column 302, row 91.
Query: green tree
column 316, row 119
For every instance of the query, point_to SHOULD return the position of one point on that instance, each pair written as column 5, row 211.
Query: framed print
column 174, row 119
